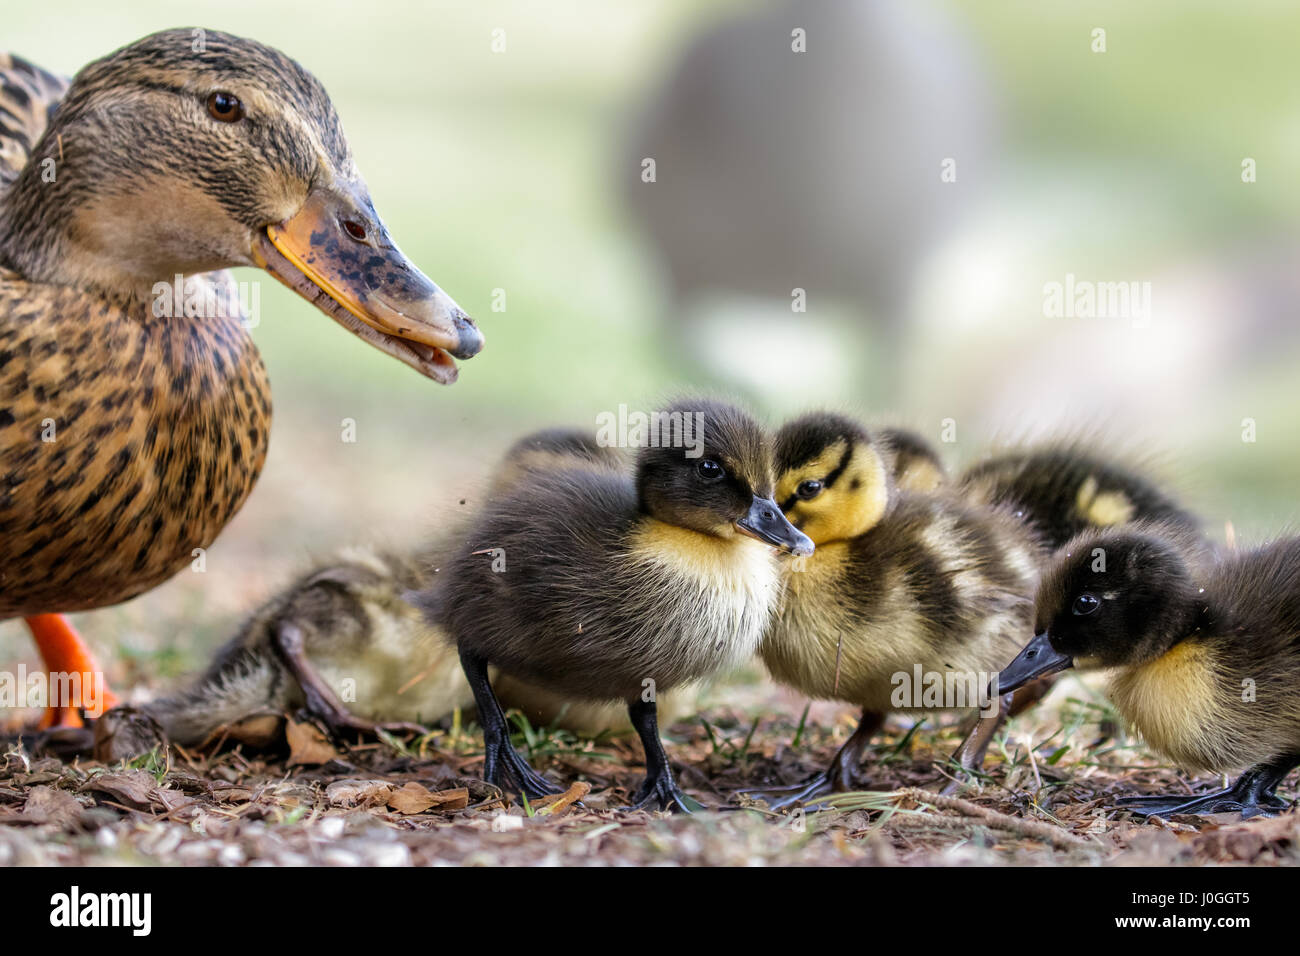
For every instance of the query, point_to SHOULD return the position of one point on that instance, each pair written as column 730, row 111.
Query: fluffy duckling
column 916, row 465
column 1204, row 652
column 552, row 448
column 1066, row 488
column 343, row 630
column 604, row 586
column 899, row 581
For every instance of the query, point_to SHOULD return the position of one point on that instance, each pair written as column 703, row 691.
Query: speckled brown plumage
column 159, row 429
column 130, row 434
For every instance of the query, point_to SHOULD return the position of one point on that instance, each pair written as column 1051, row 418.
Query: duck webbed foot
column 64, row 652
column 500, row 759
column 841, row 776
column 321, row 701
column 1251, row 796
column 659, row 790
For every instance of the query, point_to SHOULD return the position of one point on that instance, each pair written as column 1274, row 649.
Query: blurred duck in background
column 799, row 145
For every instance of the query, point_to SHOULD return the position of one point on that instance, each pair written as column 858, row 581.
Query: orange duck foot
column 77, row 682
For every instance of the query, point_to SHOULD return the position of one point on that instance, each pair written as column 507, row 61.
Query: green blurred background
column 510, row 171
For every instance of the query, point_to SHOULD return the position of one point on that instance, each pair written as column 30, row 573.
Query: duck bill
column 337, row 254
column 765, row 522
column 1038, row 659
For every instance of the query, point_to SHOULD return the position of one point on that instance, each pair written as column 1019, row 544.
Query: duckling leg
column 64, row 652
column 659, row 786
column 1252, row 795
column 842, row 774
column 499, row 755
column 969, row 755
column 322, row 702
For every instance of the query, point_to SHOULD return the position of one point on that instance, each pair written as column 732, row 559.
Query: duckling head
column 1115, row 598
column 832, row 481
column 717, row 480
column 190, row 151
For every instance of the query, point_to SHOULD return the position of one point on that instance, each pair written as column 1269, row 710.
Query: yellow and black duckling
column 1066, row 488
column 915, row 464
column 900, row 581
column 605, row 586
column 134, row 418
column 1204, row 651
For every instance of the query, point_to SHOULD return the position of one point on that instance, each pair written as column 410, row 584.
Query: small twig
column 1034, row 829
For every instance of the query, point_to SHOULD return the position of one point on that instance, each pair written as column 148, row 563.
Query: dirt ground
column 285, row 794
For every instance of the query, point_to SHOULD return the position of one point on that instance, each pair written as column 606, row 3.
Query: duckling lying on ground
column 1066, row 488
column 899, row 581
column 1205, row 652
column 349, row 624
column 601, row 586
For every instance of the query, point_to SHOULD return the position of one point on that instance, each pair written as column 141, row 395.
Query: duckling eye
column 225, row 107
column 809, row 488
column 1086, row 603
column 709, row 470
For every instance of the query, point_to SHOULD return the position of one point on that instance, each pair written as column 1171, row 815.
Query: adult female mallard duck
column 133, row 425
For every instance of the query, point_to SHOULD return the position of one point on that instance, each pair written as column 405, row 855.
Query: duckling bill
column 1204, row 651
column 615, row 587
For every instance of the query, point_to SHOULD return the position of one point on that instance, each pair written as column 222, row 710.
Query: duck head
column 716, row 478
column 1117, row 598
column 832, row 481
column 190, row 151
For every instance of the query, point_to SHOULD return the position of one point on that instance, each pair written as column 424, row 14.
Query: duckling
column 900, row 581
column 604, row 586
column 134, row 408
column 1066, row 488
column 1204, row 651
column 916, row 465
column 346, row 626
column 553, row 448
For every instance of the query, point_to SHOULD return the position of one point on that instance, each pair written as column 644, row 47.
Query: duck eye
column 1086, row 603
column 225, row 107
column 355, row 229
column 809, row 488
column 709, row 470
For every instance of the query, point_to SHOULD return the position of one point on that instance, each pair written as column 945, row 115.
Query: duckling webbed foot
column 659, row 790
column 321, row 701
column 1251, row 796
column 499, row 756
column 840, row 777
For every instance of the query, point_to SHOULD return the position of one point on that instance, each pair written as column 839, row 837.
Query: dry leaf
column 48, row 805
column 135, row 788
column 307, row 746
column 258, row 730
column 414, row 798
column 358, row 793
column 558, row 803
